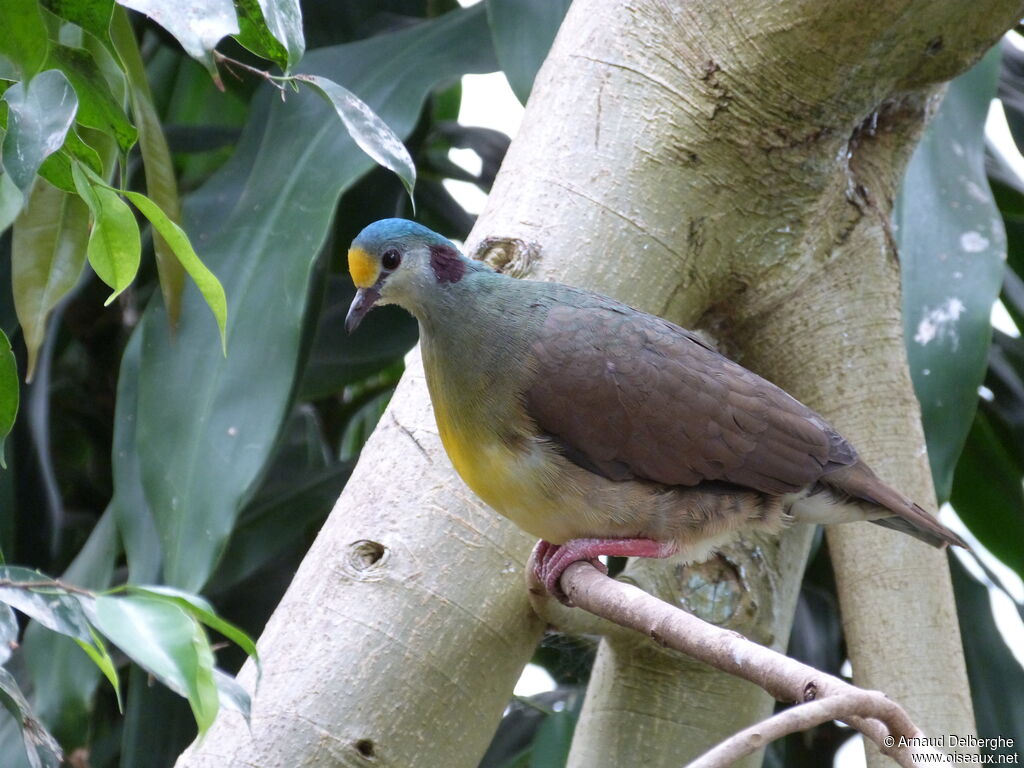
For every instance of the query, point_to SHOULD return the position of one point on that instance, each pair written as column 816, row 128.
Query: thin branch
column 819, row 696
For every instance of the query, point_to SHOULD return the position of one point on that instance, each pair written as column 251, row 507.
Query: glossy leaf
column 256, row 36
column 232, row 694
column 98, row 107
column 40, row 114
column 197, row 24
column 284, row 20
column 202, row 446
column 8, row 632
column 167, row 642
column 8, row 392
column 24, row 40
column 51, row 607
column 11, row 198
column 207, row 282
column 41, row 749
column 523, row 31
column 371, row 133
column 161, row 186
column 952, row 246
column 91, row 15
column 115, row 247
column 48, row 256
column 97, row 651
column 56, row 168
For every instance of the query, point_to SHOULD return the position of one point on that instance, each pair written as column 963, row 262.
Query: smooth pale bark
column 706, row 161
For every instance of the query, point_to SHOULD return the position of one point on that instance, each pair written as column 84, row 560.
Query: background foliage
column 139, row 453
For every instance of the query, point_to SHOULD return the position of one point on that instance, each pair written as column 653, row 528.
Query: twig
column 819, row 696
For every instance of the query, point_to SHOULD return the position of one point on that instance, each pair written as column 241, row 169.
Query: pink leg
column 551, row 560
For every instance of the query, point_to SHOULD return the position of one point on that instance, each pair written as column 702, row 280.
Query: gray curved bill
column 361, row 304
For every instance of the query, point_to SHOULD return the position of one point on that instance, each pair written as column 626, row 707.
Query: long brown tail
column 860, row 482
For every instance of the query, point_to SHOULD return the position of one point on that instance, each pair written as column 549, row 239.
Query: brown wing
column 630, row 395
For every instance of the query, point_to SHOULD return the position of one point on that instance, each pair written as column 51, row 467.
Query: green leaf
column 201, row 447
column 952, row 246
column 207, row 282
column 56, row 169
column 232, row 694
column 167, row 642
column 48, row 255
column 368, row 131
column 41, row 112
column 98, row 107
column 8, row 633
column 91, row 15
column 256, row 37
column 197, row 24
column 284, row 20
column 8, row 392
column 115, row 247
column 25, row 39
column 202, row 611
column 523, row 31
column 11, row 198
column 50, row 606
column 97, row 651
column 41, row 749
column 161, row 186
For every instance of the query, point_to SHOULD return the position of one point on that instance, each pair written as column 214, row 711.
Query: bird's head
column 396, row 261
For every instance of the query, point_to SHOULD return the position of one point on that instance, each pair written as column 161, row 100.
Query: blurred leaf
column 535, row 732
column 161, row 186
column 8, row 633
column 232, row 694
column 197, row 24
column 207, row 282
column 254, row 35
column 991, row 666
column 198, row 471
column 554, row 737
column 158, row 724
column 272, row 29
column 167, row 642
column 115, row 247
column 97, row 652
column 338, row 358
column 9, row 392
column 48, row 255
column 25, row 40
column 91, row 15
column 41, row 748
column 523, row 31
column 952, row 246
column 11, row 198
column 1011, row 89
column 369, row 132
column 52, row 608
column 56, row 168
column 41, row 112
column 98, row 107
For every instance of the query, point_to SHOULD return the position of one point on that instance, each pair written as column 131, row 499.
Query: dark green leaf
column 8, row 392
column 523, row 31
column 8, row 632
column 201, row 446
column 284, row 20
column 56, row 169
column 371, row 133
column 952, row 246
column 51, row 607
column 48, row 254
column 207, row 282
column 158, row 724
column 554, row 737
column 24, row 40
column 197, row 24
column 254, row 34
column 41, row 112
column 91, row 15
column 994, row 672
column 41, row 748
column 115, row 247
column 98, row 107
column 167, row 642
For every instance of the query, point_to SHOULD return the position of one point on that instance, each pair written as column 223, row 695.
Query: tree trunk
column 728, row 165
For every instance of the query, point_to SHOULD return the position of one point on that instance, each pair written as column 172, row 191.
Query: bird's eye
column 390, row 259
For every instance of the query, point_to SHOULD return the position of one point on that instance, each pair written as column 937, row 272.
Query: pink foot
column 551, row 560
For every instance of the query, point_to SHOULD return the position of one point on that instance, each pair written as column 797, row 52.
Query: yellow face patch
column 364, row 268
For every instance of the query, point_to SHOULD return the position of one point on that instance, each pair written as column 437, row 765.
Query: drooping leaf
column 264, row 240
column 256, row 36
column 48, row 254
column 523, row 31
column 207, row 282
column 91, row 15
column 25, row 39
column 167, row 642
column 232, row 694
column 98, row 107
column 56, row 168
column 115, row 247
column 952, row 246
column 8, row 392
column 161, row 185
column 40, row 114
column 41, row 749
column 197, row 24
column 51, row 607
column 97, row 651
column 8, row 632
column 284, row 20
column 371, row 133
column 11, row 198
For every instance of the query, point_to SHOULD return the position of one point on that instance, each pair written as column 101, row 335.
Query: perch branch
column 819, row 696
